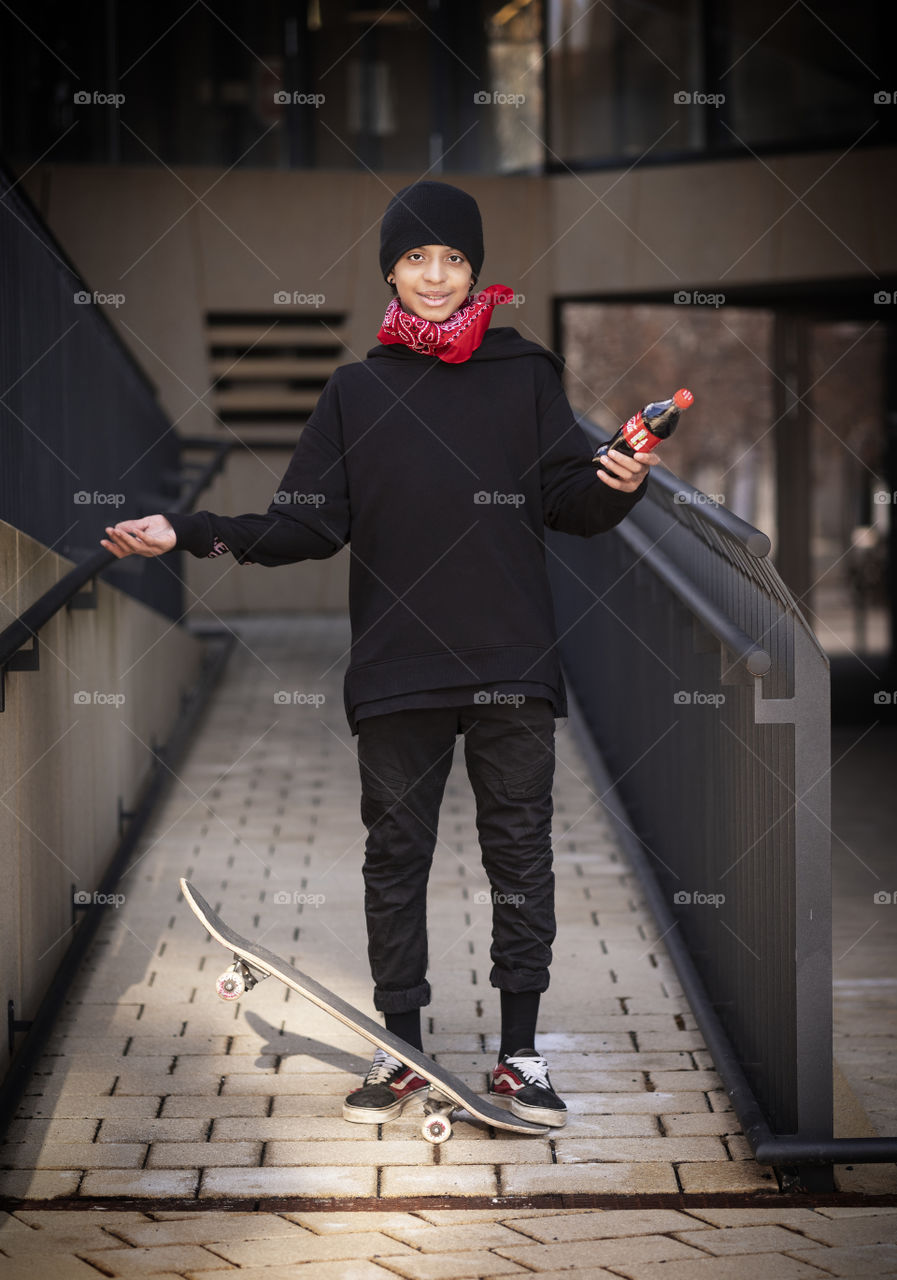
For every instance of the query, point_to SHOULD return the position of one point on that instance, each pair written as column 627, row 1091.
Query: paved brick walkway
column 152, row 1089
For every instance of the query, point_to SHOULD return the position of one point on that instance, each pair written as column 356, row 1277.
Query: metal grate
column 707, row 694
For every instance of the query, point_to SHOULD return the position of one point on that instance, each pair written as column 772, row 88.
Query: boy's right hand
column 148, row 536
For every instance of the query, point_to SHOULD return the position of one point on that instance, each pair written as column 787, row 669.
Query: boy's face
column 433, row 280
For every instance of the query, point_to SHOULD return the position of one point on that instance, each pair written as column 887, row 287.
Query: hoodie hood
column 503, row 343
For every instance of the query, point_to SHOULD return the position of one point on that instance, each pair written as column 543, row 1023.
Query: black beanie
column 431, row 213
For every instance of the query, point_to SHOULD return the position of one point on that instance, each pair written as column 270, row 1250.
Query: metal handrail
column 26, row 626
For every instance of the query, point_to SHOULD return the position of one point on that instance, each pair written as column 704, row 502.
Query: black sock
column 519, row 1011
column 406, row 1025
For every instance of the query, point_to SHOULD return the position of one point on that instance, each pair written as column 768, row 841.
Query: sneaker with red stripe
column 520, row 1083
column 387, row 1087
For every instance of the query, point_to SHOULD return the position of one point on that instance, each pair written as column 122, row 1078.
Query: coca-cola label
column 637, row 435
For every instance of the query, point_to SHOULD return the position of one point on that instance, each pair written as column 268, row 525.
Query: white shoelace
column 533, row 1070
column 382, row 1067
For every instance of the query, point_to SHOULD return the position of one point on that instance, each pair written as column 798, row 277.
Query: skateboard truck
column 237, row 980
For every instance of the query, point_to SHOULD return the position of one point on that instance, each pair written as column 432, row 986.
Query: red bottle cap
column 683, row 398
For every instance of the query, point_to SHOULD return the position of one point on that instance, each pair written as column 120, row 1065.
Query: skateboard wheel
column 230, row 986
column 436, row 1128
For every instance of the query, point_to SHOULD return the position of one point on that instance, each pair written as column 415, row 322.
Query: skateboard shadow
column 293, row 1044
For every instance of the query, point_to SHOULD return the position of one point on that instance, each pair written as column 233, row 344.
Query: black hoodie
column 443, row 476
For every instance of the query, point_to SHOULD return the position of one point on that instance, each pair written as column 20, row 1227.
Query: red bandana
column 453, row 340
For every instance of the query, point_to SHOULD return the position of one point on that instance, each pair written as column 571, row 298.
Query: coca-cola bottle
column 646, row 429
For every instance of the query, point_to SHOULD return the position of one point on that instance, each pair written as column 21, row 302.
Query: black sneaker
column 520, row 1082
column 388, row 1085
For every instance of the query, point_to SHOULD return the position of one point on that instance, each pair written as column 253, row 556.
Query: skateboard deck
column 451, row 1092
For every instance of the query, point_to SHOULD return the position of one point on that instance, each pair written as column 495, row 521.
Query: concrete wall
column 180, row 245
column 66, row 763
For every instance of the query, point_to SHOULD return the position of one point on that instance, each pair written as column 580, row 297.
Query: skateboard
column 252, row 963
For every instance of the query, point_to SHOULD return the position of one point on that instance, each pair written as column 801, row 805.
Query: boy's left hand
column 631, row 471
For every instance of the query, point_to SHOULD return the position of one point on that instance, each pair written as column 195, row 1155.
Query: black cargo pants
column 404, row 760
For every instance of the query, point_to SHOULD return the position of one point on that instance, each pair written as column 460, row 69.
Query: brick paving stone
column 454, row 1266
column 79, row 1237
column 617, row 1251
column 855, row 1260
column 350, row 1269
column 855, row 1211
column 63, row 1265
column 775, row 1267
column 637, row 1102
column 685, row 1080
column 317, row 1084
column 153, row 1129
column 758, row 1217
column 199, row 1155
column 757, row 1239
column 207, row 1106
column 208, row 1228
column 697, row 1124
column 303, row 1246
column 581, row 1273
column 63, row 1130
column 326, row 1223
column 846, row 1232
column 143, row 1262
column 61, row 1222
column 33, row 1184
column 319, row 1180
column 456, row 1236
column 619, row 1179
column 145, row 1183
column 501, row 1150
column 439, row 1217
column 74, row 1155
column 77, row 1106
column 438, row 1180
column 299, row 1129
column 731, row 1176
column 367, row 1153
column 599, row 1224
column 579, row 1150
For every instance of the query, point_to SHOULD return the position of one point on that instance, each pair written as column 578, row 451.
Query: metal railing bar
column 37, row 615
column 766, row 1146
column 738, row 642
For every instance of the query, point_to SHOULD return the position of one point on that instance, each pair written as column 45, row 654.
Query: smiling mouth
column 434, row 299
